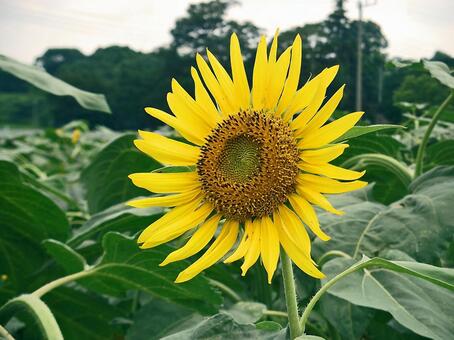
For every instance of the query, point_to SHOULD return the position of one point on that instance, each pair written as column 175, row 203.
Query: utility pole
column 359, row 57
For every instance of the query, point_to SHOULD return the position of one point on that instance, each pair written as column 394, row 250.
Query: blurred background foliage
column 133, row 80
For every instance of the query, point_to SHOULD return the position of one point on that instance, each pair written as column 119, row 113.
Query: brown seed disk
column 248, row 165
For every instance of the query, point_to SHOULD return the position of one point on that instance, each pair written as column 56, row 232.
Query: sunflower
column 258, row 160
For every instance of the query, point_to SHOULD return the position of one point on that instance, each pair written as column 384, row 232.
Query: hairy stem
column 5, row 334
column 425, row 139
column 290, row 295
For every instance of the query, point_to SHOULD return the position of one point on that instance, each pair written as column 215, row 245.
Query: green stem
column 275, row 313
column 323, row 290
column 5, row 334
column 61, row 281
column 235, row 297
column 425, row 139
column 290, row 295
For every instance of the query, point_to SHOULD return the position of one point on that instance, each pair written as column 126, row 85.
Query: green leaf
column 36, row 313
column 84, row 316
column 159, row 318
column 419, row 224
column 246, row 312
column 124, row 266
column 440, row 153
column 349, row 320
column 65, row 256
column 357, row 131
column 106, row 178
column 120, row 217
column 43, row 80
column 390, row 176
column 419, row 296
column 223, row 326
column 440, row 71
column 27, row 217
column 309, row 337
column 268, row 326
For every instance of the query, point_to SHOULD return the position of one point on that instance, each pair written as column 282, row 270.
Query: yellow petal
column 331, row 171
column 238, row 73
column 242, row 248
column 217, row 250
column 310, row 97
column 259, row 76
column 323, row 115
column 317, row 198
column 224, row 80
column 176, row 228
column 328, row 185
column 173, row 215
column 324, row 155
column 162, row 183
column 269, row 246
column 166, row 150
column 253, row 252
column 165, row 201
column 213, row 86
column 186, row 115
column 196, row 243
column 294, row 251
column 273, row 49
column 293, row 78
column 195, row 136
column 203, row 98
column 295, row 229
column 192, row 107
column 278, row 76
column 307, row 214
column 330, row 132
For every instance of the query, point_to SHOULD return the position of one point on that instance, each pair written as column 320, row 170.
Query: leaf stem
column 61, row 281
column 323, row 290
column 275, row 313
column 425, row 139
column 290, row 295
column 235, row 297
column 331, row 253
column 5, row 334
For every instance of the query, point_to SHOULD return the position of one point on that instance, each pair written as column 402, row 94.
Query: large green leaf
column 27, row 217
column 106, row 178
column 43, row 80
column 124, row 266
column 223, row 326
column 419, row 224
column 159, row 318
column 418, row 296
column 81, row 315
column 349, row 320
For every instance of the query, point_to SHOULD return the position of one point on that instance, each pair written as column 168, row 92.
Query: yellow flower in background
column 75, row 136
column 260, row 159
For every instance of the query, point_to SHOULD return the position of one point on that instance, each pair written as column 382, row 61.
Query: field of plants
column 70, row 265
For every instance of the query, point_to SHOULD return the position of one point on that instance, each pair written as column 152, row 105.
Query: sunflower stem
column 290, row 295
column 425, row 139
column 5, row 334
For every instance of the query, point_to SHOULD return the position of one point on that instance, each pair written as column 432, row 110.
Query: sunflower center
column 248, row 165
column 240, row 158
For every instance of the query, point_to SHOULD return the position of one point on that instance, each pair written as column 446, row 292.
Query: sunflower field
column 71, row 267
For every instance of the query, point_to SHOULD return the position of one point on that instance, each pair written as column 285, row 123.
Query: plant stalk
column 61, row 281
column 425, row 139
column 290, row 295
column 5, row 334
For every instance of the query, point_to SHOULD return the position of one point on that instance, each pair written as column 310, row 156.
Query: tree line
column 133, row 80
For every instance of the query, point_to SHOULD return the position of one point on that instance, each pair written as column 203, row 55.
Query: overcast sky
column 414, row 28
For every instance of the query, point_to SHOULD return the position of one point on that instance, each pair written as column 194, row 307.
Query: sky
column 414, row 28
